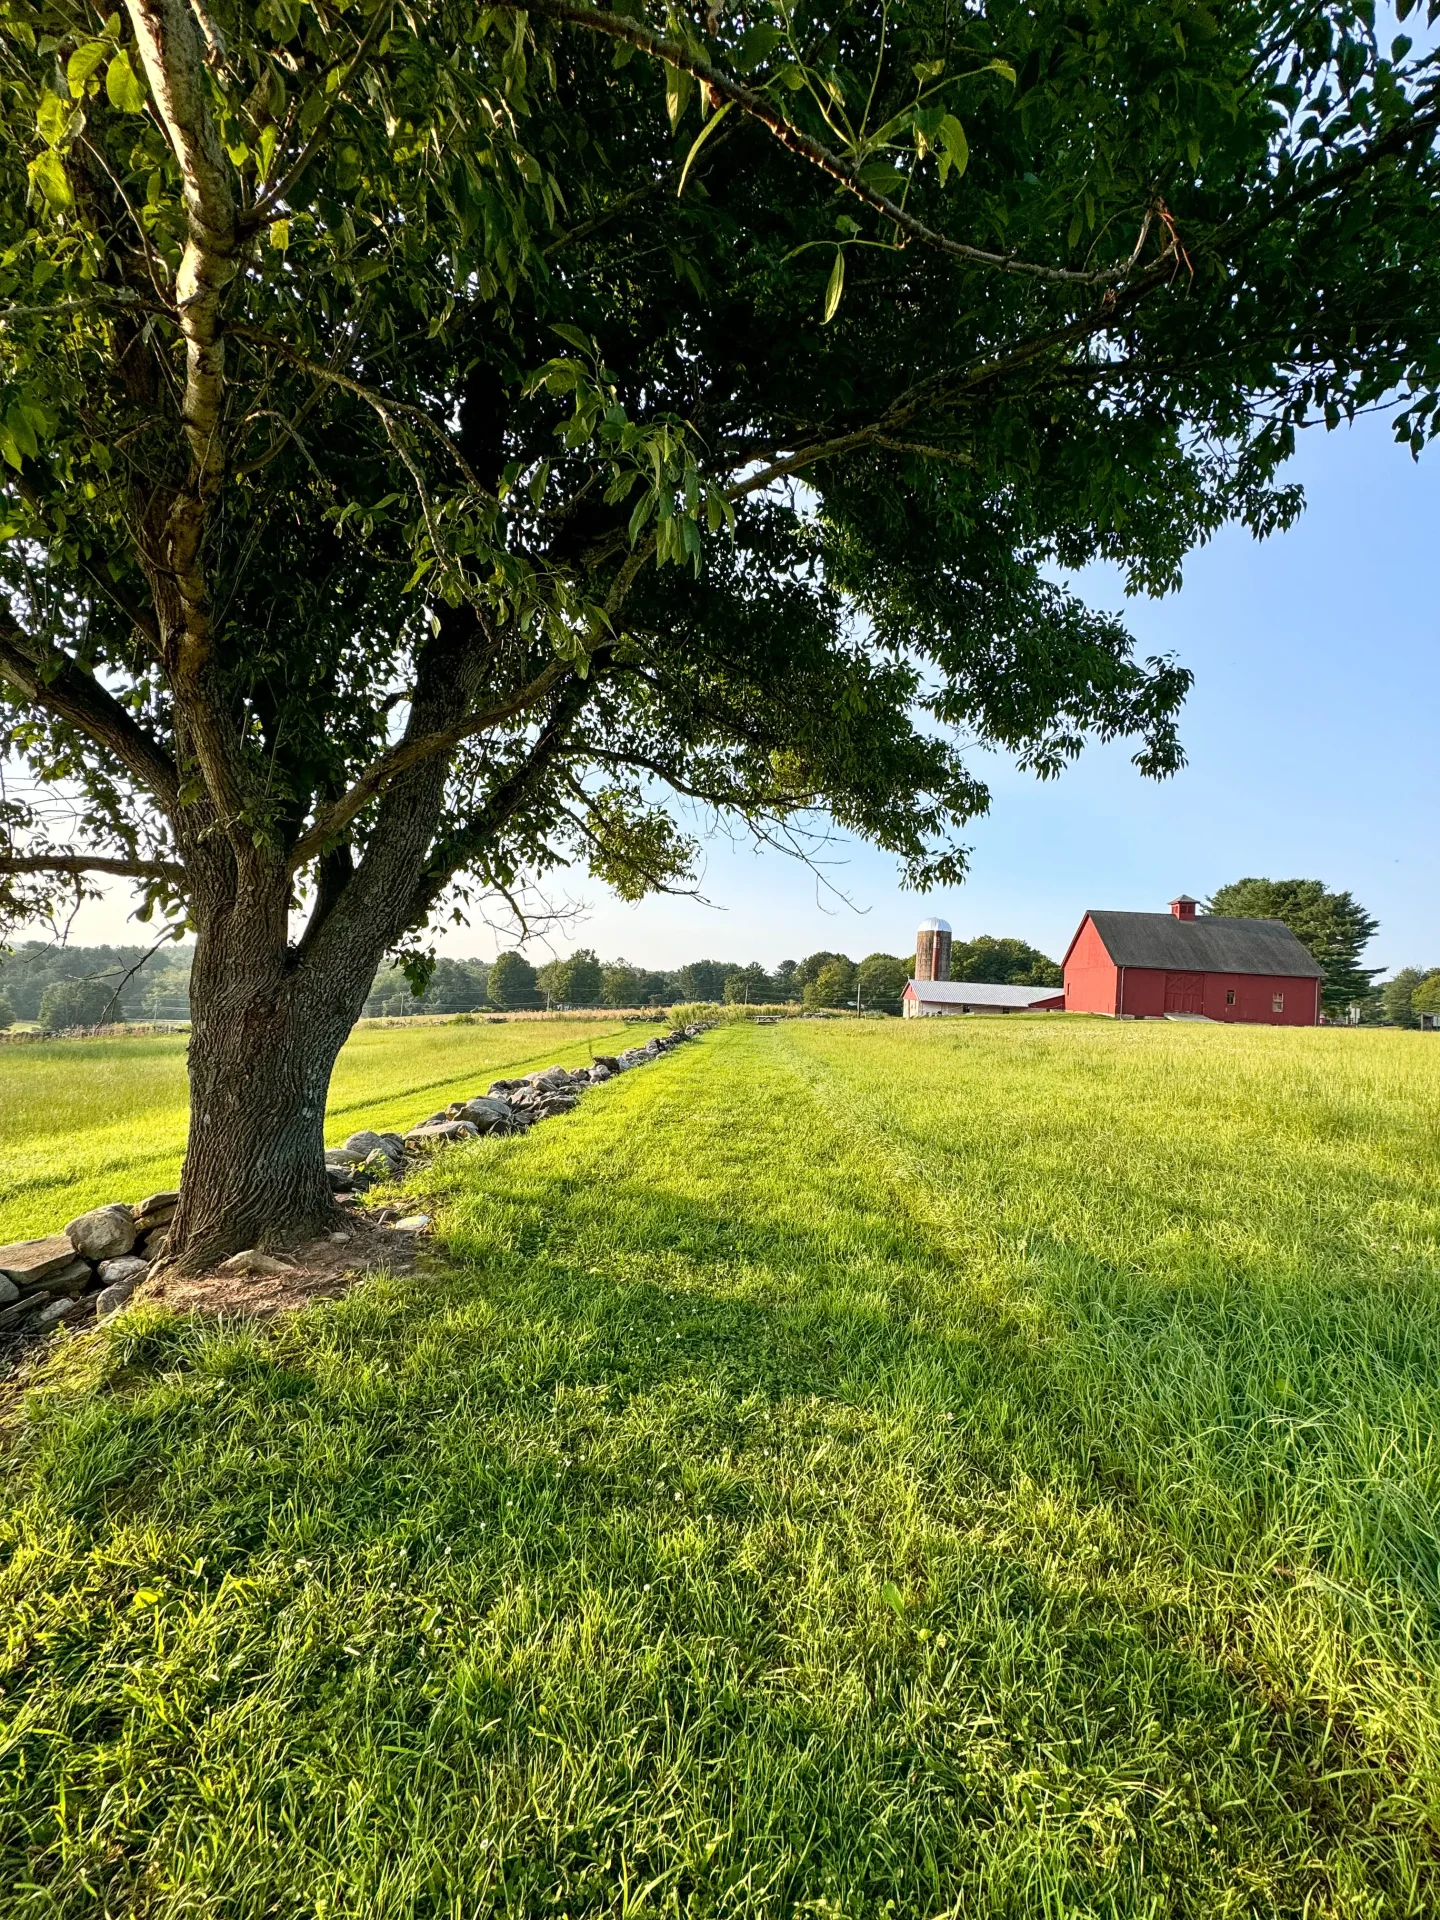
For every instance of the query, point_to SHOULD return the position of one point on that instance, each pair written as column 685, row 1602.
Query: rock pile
column 506, row 1106
column 96, row 1264
column 91, row 1268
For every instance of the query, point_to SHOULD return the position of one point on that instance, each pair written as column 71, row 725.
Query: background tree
column 703, row 980
column 621, row 985
column 512, row 983
column 814, row 964
column 1396, row 997
column 1426, row 997
column 833, row 985
column 1334, row 926
column 78, row 1003
column 750, row 985
column 657, row 989
column 581, row 980
column 786, row 986
column 1003, row 962
column 7, row 1012
column 402, row 411
column 882, row 978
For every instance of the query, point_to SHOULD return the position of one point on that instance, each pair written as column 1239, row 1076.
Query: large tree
column 406, row 413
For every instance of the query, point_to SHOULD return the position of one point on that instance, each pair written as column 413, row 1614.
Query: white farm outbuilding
column 922, row 999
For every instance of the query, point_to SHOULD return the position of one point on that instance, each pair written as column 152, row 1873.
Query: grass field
column 87, row 1121
column 979, row 1468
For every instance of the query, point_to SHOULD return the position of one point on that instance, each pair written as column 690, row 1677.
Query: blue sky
column 1311, row 742
column 1310, row 736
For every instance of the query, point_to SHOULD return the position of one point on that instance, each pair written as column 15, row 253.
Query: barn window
column 1230, row 996
column 1277, row 1003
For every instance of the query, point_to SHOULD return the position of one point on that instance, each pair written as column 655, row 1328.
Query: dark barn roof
column 1211, row 943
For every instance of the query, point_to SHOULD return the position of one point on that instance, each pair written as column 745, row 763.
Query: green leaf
column 679, row 86
column 892, row 1597
column 280, row 235
column 756, row 44
column 1004, row 69
column 82, row 63
column 124, row 88
column 21, row 431
column 48, row 179
column 52, row 118
column 881, row 177
column 834, row 287
column 928, row 69
column 699, row 141
column 575, row 336
column 954, row 147
column 641, row 514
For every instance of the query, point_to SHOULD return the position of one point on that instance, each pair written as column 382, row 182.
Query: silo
column 932, row 950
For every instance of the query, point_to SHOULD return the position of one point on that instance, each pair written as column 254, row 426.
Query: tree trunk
column 265, row 1033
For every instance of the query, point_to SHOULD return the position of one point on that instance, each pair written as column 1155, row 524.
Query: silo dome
column 934, row 926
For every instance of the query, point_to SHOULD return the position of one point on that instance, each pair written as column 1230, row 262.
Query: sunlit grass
column 981, row 1468
column 83, row 1122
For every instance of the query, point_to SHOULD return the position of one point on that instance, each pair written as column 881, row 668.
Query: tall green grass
column 972, row 1468
column 83, row 1122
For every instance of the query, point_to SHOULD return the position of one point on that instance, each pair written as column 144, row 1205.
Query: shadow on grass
column 643, row 1559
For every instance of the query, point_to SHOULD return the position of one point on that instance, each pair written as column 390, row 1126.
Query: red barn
column 1146, row 965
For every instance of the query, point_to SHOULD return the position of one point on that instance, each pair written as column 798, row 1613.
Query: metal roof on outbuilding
column 1211, row 943
column 981, row 993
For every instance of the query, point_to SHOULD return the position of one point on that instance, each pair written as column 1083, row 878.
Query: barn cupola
column 932, row 950
column 1184, row 907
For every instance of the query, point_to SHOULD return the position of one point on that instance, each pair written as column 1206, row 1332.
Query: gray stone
column 413, row 1223
column 487, row 1115
column 599, row 1073
column 362, row 1143
column 382, row 1163
column 128, row 1271
column 159, row 1203
column 72, row 1279
column 548, row 1077
column 253, row 1261
column 342, row 1157
column 56, row 1310
column 28, row 1263
column 9, row 1292
column 24, row 1309
column 440, row 1133
column 102, row 1234
column 111, row 1301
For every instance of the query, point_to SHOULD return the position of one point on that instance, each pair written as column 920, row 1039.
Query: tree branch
column 675, row 54
column 93, row 863
column 80, row 701
column 409, row 753
column 171, row 51
column 282, row 189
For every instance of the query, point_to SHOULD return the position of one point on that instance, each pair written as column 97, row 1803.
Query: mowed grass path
column 986, row 1468
column 83, row 1122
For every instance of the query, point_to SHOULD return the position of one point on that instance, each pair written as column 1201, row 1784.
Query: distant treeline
column 583, row 979
column 86, row 986
column 82, row 986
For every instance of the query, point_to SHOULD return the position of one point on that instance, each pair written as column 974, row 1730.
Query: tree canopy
column 405, row 416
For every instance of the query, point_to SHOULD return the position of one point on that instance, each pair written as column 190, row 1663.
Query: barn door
column 1184, row 993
